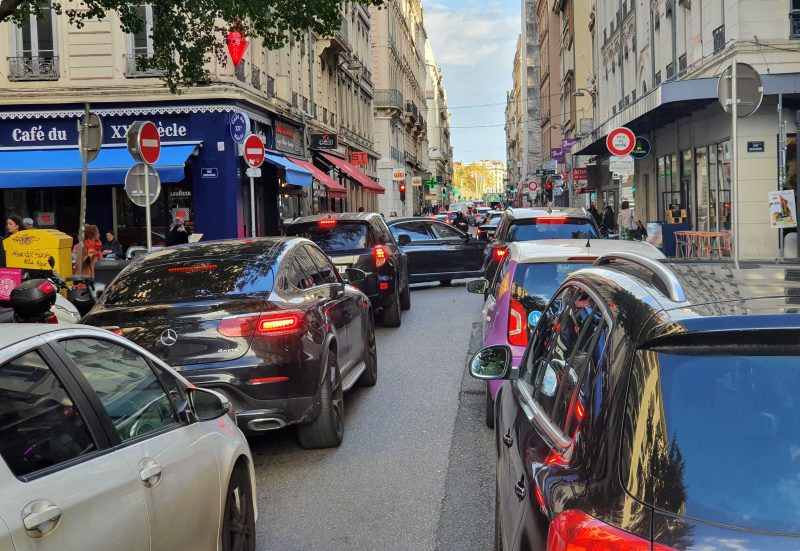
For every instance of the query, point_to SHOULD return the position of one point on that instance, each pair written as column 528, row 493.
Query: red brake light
column 551, row 220
column 114, row 329
column 579, row 411
column 274, row 323
column 266, row 380
column 498, row 254
column 47, row 288
column 380, row 256
column 327, row 222
column 581, row 259
column 52, row 318
column 517, row 323
column 197, row 268
column 576, row 531
column 383, row 285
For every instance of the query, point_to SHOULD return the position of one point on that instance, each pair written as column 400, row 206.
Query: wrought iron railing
column 255, row 77
column 270, row 86
column 719, row 38
column 134, row 67
column 240, row 72
column 670, row 71
column 388, row 98
column 33, row 68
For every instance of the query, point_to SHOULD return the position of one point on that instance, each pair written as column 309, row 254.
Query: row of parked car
column 638, row 403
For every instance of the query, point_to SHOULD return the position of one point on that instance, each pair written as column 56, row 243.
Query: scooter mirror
column 52, row 262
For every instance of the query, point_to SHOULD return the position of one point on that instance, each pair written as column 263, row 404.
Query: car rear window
column 534, row 284
column 184, row 281
column 555, row 227
column 717, row 437
column 335, row 235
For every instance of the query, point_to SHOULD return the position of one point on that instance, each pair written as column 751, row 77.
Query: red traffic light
column 402, row 187
column 548, row 186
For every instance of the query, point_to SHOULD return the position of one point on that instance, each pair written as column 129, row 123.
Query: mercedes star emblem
column 169, row 337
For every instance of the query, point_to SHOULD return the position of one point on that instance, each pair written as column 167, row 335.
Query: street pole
column 253, row 206
column 84, row 180
column 735, row 162
column 781, row 164
column 148, row 223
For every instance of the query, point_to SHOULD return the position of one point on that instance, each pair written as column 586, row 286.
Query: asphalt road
column 416, row 468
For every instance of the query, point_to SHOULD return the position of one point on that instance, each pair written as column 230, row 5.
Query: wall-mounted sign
column 580, row 174
column 45, row 219
column 416, row 181
column 755, row 147
column 288, row 138
column 641, row 149
column 359, row 158
column 209, row 173
column 399, row 175
column 239, row 127
column 782, row 209
column 621, row 164
column 557, row 154
column 324, row 141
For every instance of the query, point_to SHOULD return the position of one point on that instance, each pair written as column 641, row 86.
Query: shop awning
column 369, row 185
column 333, row 187
column 32, row 168
column 295, row 175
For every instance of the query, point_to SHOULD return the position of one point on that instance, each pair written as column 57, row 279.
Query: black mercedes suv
column 656, row 407
column 363, row 241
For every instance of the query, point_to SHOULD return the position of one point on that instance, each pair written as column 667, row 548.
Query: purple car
column 527, row 277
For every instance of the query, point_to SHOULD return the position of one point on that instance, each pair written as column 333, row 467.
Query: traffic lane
column 384, row 487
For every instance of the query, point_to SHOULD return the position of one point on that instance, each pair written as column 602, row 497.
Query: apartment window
column 670, row 71
column 627, row 100
column 270, row 86
column 324, row 116
column 682, row 64
column 35, row 43
column 633, row 96
column 794, row 20
column 294, row 99
column 140, row 45
column 719, row 38
column 614, row 109
column 658, row 78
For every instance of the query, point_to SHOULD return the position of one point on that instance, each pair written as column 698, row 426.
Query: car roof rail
column 672, row 286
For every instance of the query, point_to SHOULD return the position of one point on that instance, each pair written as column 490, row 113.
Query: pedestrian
column 360, row 209
column 177, row 233
column 113, row 248
column 92, row 251
column 608, row 225
column 393, row 214
column 14, row 224
column 596, row 215
column 628, row 223
column 27, row 223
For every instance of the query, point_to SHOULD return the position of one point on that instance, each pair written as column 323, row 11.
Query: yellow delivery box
column 31, row 249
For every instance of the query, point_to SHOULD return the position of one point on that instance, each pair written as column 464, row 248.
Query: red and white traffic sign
column 144, row 142
column 533, row 185
column 253, row 151
column 620, row 141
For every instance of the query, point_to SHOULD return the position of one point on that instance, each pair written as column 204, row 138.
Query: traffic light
column 403, row 193
column 548, row 188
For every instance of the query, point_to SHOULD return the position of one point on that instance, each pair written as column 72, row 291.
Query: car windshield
column 555, row 227
column 184, row 281
column 338, row 236
column 534, row 284
column 728, row 445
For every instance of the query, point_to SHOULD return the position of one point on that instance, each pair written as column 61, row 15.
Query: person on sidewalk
column 628, row 223
column 608, row 225
column 113, row 248
column 92, row 251
column 27, row 223
column 177, row 233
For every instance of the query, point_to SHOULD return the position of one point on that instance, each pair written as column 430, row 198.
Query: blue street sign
column 209, row 173
column 534, row 318
column 239, row 127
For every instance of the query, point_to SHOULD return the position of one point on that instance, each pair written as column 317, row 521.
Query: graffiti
column 23, row 239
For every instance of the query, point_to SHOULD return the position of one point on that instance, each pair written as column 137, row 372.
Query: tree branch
column 7, row 8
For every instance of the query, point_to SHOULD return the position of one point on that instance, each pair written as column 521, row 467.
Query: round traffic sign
column 144, row 142
column 253, row 151
column 134, row 184
column 620, row 141
column 533, row 185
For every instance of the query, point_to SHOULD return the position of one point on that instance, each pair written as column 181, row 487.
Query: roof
column 517, row 213
column 344, row 216
column 227, row 248
column 13, row 333
column 392, row 221
column 558, row 250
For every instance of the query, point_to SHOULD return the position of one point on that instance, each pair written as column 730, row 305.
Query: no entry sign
column 253, row 151
column 533, row 185
column 144, row 142
column 620, row 141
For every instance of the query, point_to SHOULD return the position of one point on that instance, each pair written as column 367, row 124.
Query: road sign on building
column 144, row 142
column 359, row 158
column 621, row 164
column 253, row 151
column 620, row 141
column 416, row 181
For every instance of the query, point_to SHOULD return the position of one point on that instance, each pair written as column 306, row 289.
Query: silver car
column 102, row 446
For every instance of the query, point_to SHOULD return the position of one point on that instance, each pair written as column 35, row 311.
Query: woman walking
column 608, row 225
column 628, row 223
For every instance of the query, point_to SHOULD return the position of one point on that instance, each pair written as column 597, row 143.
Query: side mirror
column 490, row 363
column 208, row 405
column 478, row 286
column 354, row 275
column 52, row 262
column 403, row 240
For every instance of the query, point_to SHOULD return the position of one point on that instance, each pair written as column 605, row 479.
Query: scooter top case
column 34, row 297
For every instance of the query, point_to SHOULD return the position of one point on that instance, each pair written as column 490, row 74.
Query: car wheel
column 498, row 527
column 370, row 375
column 489, row 409
column 327, row 430
column 445, row 282
column 391, row 313
column 405, row 297
column 238, row 524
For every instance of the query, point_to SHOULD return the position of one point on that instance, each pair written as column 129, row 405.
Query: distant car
column 527, row 278
column 267, row 322
column 479, row 215
column 486, row 231
column 451, row 216
column 363, row 241
column 533, row 224
column 94, row 427
column 437, row 251
column 655, row 408
column 440, row 217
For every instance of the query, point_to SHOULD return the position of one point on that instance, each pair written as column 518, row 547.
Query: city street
column 416, row 468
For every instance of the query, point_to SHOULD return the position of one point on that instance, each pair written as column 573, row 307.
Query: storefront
column 361, row 189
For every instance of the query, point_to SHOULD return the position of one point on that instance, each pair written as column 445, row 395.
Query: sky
column 474, row 43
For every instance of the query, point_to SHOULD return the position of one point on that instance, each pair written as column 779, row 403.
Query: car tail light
column 271, row 324
column 379, row 252
column 383, row 285
column 196, row 268
column 114, row 329
column 576, row 531
column 47, row 288
column 517, row 323
column 52, row 318
column 267, row 380
column 327, row 222
column 499, row 253
column 551, row 220
column 480, row 231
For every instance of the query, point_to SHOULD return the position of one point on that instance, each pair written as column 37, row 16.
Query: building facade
column 398, row 65
column 314, row 85
column 656, row 66
column 515, row 126
column 496, row 176
column 440, row 152
column 531, row 99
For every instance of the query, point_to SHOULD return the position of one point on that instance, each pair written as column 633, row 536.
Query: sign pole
column 735, row 162
column 252, row 207
column 84, row 138
column 148, row 223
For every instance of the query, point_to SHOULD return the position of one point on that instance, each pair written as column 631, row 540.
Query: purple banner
column 557, row 154
column 567, row 143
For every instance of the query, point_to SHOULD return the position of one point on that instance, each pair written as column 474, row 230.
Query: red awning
column 369, row 185
column 335, row 189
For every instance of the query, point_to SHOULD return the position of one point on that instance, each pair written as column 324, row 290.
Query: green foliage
column 188, row 33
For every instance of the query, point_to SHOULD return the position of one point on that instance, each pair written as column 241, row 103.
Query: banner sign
column 399, row 175
column 782, row 209
column 324, row 141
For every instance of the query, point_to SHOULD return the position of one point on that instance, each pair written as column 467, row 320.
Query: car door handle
column 149, row 472
column 507, row 439
column 519, row 488
column 40, row 517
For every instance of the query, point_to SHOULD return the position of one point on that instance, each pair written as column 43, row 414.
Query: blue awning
column 295, row 174
column 32, row 168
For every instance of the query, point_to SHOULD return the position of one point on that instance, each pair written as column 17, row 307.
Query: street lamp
column 579, row 93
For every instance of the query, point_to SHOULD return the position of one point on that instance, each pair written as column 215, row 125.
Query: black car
column 485, row 232
column 437, row 251
column 362, row 240
column 655, row 406
column 268, row 322
column 533, row 224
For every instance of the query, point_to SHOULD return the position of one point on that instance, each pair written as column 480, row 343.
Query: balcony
column 682, row 64
column 270, row 86
column 794, row 26
column 719, row 38
column 391, row 99
column 411, row 110
column 255, row 77
column 33, row 68
column 240, row 72
column 670, row 71
column 134, row 67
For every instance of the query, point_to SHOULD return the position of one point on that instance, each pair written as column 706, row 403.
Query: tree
column 471, row 180
column 187, row 33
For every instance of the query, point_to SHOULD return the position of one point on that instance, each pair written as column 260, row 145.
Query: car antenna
column 588, row 242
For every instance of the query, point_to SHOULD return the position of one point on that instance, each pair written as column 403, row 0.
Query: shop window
column 140, row 46
column 35, row 45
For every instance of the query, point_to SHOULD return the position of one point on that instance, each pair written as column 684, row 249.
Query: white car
column 102, row 446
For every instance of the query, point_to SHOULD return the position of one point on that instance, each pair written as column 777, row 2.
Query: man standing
column 27, row 224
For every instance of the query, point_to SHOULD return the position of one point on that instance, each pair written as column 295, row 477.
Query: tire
column 446, row 282
column 370, row 375
column 498, row 526
column 405, row 297
column 489, row 409
column 327, row 430
column 391, row 313
column 238, row 523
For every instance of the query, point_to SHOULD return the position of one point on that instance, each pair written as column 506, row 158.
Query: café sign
column 64, row 132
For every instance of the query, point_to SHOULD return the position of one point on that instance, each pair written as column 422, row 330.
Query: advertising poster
column 9, row 278
column 782, row 209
